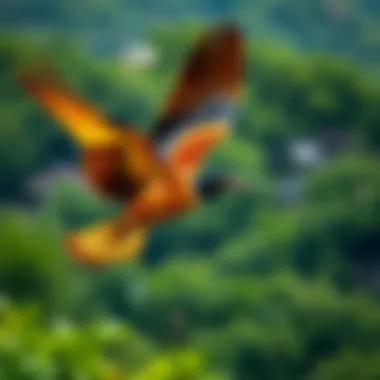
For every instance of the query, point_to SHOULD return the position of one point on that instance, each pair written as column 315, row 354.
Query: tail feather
column 97, row 245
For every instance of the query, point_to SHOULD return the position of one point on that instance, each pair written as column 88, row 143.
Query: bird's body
column 154, row 175
column 157, row 189
column 120, row 174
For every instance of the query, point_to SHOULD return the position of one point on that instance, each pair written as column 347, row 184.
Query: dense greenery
column 243, row 288
column 349, row 27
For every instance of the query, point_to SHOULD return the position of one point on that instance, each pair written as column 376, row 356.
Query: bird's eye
column 211, row 187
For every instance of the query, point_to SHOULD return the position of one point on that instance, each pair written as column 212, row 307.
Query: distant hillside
column 348, row 27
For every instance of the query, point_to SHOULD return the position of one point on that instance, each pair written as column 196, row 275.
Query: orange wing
column 198, row 113
column 117, row 159
column 84, row 123
column 214, row 69
column 193, row 146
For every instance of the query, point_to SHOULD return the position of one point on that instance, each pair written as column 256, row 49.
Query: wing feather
column 199, row 111
column 193, row 147
column 214, row 69
column 85, row 124
column 119, row 161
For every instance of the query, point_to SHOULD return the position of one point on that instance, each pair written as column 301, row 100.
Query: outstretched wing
column 199, row 111
column 85, row 124
column 119, row 161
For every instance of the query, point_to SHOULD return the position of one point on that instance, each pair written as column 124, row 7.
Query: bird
column 155, row 176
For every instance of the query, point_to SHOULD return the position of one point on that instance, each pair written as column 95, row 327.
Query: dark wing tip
column 228, row 32
column 215, row 67
column 229, row 28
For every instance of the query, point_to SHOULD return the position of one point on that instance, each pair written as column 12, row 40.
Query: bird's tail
column 98, row 245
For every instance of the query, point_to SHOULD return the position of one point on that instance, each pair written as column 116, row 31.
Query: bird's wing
column 91, row 130
column 190, row 149
column 85, row 124
column 198, row 113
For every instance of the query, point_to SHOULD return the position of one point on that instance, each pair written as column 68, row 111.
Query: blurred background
column 281, row 286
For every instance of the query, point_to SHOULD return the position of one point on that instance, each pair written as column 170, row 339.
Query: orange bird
column 156, row 174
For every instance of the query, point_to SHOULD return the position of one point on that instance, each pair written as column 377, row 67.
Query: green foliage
column 241, row 288
column 349, row 365
column 33, row 348
column 341, row 217
column 348, row 27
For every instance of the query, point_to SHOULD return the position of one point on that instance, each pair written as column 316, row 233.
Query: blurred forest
column 281, row 286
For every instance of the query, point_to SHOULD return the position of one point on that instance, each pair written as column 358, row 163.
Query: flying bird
column 157, row 175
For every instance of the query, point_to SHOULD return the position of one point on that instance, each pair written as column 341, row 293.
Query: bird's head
column 213, row 186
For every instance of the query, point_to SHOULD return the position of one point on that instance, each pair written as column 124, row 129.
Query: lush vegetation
column 243, row 288
column 349, row 27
